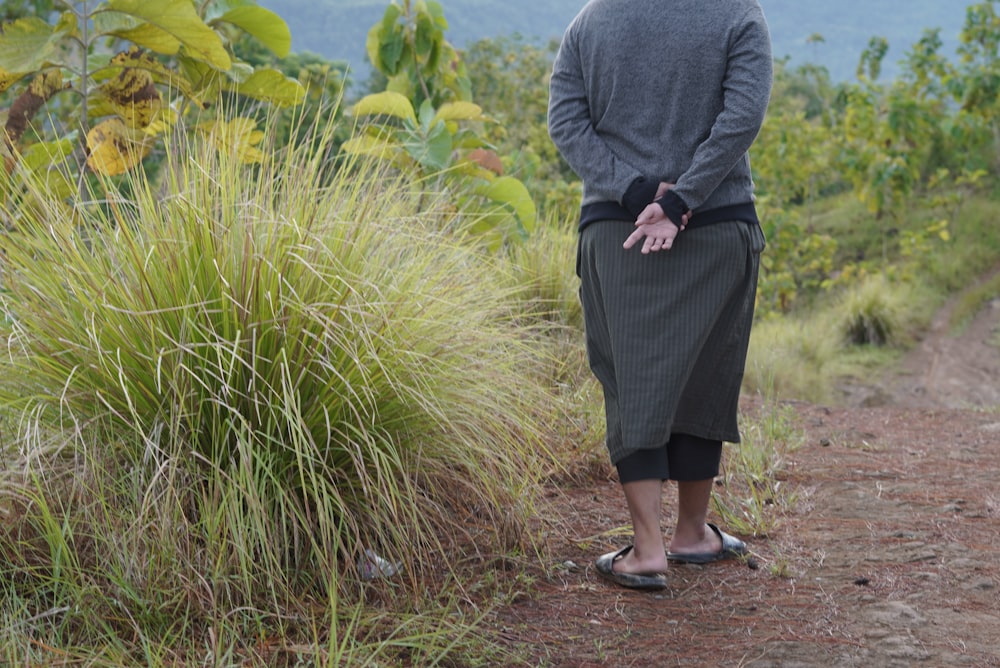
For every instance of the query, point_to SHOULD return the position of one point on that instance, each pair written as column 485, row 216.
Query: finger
column 633, row 239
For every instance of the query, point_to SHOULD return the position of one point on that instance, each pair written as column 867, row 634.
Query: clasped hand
column 652, row 227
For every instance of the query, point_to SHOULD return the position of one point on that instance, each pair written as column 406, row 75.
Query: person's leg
column 691, row 534
column 642, row 474
column 694, row 463
column 644, row 499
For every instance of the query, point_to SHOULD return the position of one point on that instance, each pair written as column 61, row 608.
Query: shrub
column 252, row 376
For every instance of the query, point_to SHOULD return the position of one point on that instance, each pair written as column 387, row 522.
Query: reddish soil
column 890, row 555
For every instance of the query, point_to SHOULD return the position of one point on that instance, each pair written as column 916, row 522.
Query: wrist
column 674, row 208
column 638, row 196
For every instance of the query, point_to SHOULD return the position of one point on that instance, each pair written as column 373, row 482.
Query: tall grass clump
column 882, row 313
column 793, row 358
column 544, row 281
column 227, row 387
column 543, row 271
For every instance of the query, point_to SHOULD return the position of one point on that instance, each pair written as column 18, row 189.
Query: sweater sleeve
column 574, row 134
column 746, row 91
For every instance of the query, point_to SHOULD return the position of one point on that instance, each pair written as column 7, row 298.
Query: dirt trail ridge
column 890, row 555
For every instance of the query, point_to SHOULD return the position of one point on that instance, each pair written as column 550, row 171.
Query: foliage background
column 336, row 28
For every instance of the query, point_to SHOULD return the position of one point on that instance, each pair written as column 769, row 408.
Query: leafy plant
column 426, row 124
column 134, row 67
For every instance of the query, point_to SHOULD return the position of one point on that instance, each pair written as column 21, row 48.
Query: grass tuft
column 754, row 494
column 227, row 385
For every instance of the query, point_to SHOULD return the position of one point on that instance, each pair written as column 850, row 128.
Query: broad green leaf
column 58, row 184
column 425, row 35
column 205, row 81
column 140, row 33
column 432, row 151
column 180, row 19
column 68, row 25
column 426, row 115
column 386, row 103
column 263, row 24
column 150, row 37
column 437, row 11
column 274, row 87
column 392, row 13
column 459, row 111
column 511, row 192
column 27, row 45
column 239, row 73
column 45, row 154
column 401, row 84
column 390, row 52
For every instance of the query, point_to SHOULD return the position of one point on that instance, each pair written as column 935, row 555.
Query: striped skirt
column 667, row 332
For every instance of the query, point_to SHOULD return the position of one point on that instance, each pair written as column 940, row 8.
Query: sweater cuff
column 673, row 207
column 639, row 195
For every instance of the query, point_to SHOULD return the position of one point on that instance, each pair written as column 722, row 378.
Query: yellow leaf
column 239, row 136
column 115, row 149
column 386, row 103
column 8, row 79
column 458, row 111
column 134, row 97
column 47, row 84
column 272, row 86
column 160, row 73
column 511, row 192
column 368, row 145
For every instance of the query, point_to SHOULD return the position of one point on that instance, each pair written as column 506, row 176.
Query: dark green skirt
column 667, row 332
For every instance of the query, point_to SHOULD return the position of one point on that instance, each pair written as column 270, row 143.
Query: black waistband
column 746, row 213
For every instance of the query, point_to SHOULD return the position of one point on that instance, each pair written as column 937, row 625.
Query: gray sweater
column 644, row 91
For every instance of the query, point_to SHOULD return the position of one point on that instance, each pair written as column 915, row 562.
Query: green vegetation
column 297, row 409
column 121, row 107
column 254, row 388
column 755, row 476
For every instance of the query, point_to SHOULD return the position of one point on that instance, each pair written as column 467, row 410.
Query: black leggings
column 683, row 458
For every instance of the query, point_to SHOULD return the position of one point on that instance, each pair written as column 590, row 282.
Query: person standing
column 655, row 104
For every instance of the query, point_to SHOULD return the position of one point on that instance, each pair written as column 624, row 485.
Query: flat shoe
column 732, row 548
column 649, row 581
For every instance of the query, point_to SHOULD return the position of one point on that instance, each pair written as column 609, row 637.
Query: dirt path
column 890, row 556
column 954, row 370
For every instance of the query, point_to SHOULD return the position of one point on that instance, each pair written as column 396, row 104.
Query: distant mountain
column 336, row 29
